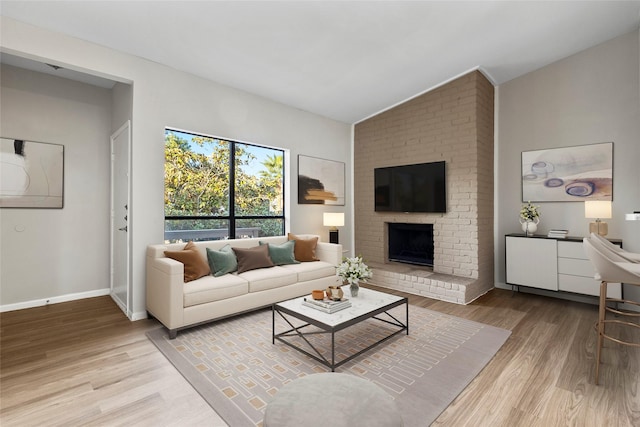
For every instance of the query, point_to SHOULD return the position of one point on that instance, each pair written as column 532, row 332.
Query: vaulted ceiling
column 346, row 60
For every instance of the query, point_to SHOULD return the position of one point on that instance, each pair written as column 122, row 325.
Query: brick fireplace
column 453, row 123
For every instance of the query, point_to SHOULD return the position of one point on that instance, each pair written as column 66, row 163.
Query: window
column 216, row 188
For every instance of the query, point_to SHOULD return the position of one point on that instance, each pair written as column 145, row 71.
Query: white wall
column 122, row 103
column 48, row 253
column 590, row 97
column 166, row 97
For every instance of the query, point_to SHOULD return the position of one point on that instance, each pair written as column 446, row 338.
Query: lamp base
column 333, row 236
column 599, row 227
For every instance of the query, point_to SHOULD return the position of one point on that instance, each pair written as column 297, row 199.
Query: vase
column 530, row 227
column 354, row 288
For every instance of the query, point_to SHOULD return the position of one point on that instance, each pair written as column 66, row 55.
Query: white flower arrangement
column 529, row 212
column 354, row 270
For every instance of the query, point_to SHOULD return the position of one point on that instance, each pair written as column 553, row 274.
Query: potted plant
column 529, row 218
column 352, row 271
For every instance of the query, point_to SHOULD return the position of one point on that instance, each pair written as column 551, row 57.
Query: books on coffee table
column 327, row 305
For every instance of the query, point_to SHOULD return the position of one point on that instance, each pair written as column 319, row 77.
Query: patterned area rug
column 237, row 370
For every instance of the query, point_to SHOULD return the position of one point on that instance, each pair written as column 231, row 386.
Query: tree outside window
column 217, row 188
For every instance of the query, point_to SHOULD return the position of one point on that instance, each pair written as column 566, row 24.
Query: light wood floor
column 84, row 363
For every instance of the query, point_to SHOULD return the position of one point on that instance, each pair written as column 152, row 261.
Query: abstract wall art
column 568, row 174
column 31, row 174
column 320, row 182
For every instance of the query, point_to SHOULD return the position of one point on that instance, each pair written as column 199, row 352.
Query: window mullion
column 232, row 190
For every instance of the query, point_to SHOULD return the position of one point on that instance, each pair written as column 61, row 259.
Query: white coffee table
column 369, row 304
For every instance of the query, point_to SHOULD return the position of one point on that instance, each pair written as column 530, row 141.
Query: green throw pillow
column 223, row 261
column 283, row 253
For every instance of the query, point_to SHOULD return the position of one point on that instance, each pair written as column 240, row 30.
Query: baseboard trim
column 133, row 316
column 54, row 300
column 138, row 315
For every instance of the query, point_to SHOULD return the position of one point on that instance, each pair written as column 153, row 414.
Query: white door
column 120, row 185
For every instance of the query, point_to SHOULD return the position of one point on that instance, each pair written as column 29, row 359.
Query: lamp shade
column 333, row 219
column 597, row 209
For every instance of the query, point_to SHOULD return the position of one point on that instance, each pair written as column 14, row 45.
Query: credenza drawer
column 585, row 285
column 571, row 250
column 576, row 267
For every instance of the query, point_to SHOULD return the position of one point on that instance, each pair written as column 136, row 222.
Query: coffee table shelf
column 369, row 304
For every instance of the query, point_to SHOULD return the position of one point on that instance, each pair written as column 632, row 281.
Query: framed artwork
column 320, row 181
column 31, row 174
column 568, row 174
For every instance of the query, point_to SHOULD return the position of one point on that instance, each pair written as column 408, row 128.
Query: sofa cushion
column 269, row 278
column 252, row 258
column 195, row 266
column 282, row 254
column 312, row 270
column 208, row 289
column 222, row 261
column 305, row 249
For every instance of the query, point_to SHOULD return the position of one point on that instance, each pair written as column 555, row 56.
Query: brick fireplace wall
column 453, row 123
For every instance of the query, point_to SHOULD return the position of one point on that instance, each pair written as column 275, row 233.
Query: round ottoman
column 330, row 399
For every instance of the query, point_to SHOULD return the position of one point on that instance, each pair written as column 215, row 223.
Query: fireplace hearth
column 411, row 243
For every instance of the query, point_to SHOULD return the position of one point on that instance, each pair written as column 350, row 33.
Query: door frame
column 127, row 307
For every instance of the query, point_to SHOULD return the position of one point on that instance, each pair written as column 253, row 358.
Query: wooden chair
column 611, row 267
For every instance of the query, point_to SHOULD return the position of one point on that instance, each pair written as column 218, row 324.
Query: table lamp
column 333, row 220
column 598, row 209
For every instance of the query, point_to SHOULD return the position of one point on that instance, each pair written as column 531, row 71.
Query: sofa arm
column 164, row 291
column 329, row 252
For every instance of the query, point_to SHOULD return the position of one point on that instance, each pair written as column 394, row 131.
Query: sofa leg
column 173, row 333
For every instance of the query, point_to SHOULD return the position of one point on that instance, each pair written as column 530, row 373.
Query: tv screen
column 411, row 188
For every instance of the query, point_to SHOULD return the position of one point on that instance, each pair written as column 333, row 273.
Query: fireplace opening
column 411, row 243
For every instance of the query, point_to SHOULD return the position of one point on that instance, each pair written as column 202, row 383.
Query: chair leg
column 601, row 316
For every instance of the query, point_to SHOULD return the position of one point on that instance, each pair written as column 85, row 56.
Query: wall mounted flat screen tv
column 411, row 188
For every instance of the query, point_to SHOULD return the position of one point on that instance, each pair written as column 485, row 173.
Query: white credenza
column 553, row 264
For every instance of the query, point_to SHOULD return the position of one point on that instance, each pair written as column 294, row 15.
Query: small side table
column 332, row 399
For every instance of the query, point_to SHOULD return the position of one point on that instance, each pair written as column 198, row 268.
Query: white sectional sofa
column 178, row 305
